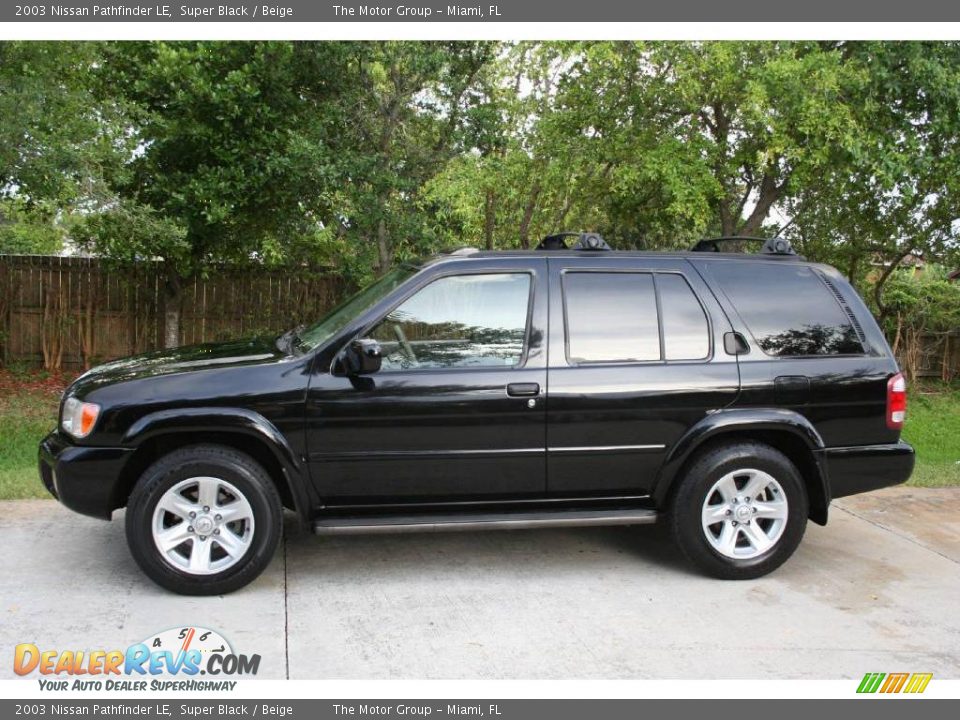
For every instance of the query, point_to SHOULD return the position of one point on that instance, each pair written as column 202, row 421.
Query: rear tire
column 740, row 510
column 204, row 520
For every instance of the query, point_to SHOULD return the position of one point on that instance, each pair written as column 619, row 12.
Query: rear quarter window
column 788, row 309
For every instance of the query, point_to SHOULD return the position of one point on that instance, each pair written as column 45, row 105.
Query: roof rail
column 585, row 241
column 770, row 246
column 459, row 252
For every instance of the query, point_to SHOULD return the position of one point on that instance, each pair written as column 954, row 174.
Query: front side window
column 461, row 321
column 788, row 309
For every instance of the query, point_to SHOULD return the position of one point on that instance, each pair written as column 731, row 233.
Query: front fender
column 202, row 420
column 744, row 421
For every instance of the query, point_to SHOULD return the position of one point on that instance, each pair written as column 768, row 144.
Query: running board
column 363, row 525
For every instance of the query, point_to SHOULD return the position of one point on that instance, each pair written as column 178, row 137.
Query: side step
column 504, row 520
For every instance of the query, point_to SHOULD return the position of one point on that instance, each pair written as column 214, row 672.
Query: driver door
column 457, row 409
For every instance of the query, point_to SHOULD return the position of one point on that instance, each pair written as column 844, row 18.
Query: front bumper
column 863, row 468
column 85, row 479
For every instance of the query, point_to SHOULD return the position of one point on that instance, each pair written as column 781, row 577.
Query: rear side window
column 613, row 317
column 788, row 309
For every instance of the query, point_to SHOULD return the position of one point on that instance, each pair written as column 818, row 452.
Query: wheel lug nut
column 190, row 529
column 193, row 514
column 735, row 523
column 202, row 538
column 216, row 532
column 729, row 511
column 206, row 508
column 219, row 517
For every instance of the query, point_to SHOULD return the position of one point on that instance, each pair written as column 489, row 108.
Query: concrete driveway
column 876, row 590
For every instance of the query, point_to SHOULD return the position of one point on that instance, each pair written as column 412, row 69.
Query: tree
column 894, row 191
column 54, row 135
column 58, row 143
column 237, row 153
column 404, row 128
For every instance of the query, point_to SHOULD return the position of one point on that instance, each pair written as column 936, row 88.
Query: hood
column 189, row 358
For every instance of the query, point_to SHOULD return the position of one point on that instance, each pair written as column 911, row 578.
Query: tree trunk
column 172, row 298
column 882, row 309
column 528, row 215
column 383, row 248
column 897, row 335
column 945, row 374
column 769, row 193
column 489, row 218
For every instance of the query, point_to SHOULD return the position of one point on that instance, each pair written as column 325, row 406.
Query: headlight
column 78, row 418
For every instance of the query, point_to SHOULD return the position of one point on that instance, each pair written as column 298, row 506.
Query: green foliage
column 129, row 232
column 28, row 230
column 59, row 142
column 236, row 149
column 926, row 302
column 891, row 190
column 363, row 154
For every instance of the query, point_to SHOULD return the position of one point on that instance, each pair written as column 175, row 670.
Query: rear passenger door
column 636, row 358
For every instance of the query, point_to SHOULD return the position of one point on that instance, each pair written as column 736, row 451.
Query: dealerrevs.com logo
column 898, row 682
column 174, row 659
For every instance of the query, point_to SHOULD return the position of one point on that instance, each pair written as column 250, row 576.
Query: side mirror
column 362, row 357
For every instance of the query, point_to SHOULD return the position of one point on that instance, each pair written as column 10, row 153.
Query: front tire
column 204, row 520
column 740, row 510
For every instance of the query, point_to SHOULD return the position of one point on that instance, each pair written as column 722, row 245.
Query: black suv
column 732, row 395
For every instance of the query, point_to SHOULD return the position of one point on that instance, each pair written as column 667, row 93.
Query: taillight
column 896, row 402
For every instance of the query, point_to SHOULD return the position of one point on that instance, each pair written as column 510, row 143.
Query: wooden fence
column 929, row 355
column 73, row 312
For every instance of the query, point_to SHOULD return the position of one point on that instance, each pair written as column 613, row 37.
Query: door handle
column 523, row 389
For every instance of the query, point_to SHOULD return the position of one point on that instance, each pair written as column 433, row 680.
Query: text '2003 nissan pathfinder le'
column 732, row 395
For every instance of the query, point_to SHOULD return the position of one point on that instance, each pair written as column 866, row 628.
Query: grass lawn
column 933, row 428
column 28, row 409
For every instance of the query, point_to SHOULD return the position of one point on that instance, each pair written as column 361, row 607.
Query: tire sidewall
column 698, row 482
column 241, row 472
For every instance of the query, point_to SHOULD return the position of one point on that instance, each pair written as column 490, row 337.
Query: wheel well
column 154, row 448
column 796, row 450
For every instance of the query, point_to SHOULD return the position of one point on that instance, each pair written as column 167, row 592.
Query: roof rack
column 770, row 246
column 585, row 241
column 459, row 252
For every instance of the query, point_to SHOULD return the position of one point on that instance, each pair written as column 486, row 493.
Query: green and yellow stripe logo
column 899, row 682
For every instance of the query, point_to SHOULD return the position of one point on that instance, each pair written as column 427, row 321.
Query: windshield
column 340, row 316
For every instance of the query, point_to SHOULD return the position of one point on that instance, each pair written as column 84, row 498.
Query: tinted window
column 685, row 330
column 787, row 308
column 611, row 317
column 458, row 321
